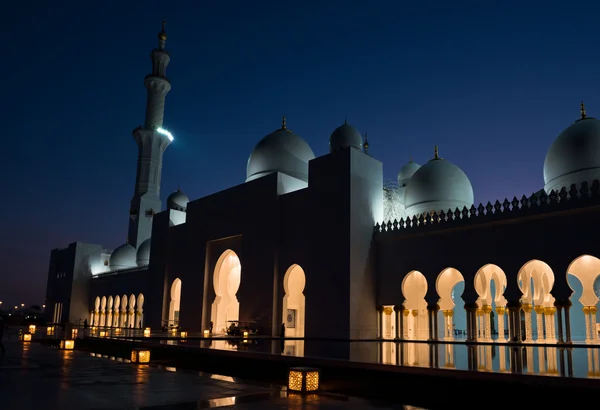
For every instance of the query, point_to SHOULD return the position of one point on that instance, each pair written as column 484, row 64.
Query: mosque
column 321, row 247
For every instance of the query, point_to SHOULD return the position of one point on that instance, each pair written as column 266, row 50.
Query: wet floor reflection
column 572, row 361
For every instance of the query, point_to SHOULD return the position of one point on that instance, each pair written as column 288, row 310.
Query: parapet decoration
column 575, row 197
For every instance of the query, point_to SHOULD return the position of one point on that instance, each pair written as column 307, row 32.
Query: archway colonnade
column 118, row 312
column 225, row 307
column 535, row 317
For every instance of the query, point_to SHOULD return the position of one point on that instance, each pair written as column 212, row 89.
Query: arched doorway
column 294, row 301
column 226, row 281
column 175, row 303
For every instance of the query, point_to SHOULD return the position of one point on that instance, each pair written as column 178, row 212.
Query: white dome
column 406, row 173
column 345, row 136
column 178, row 201
column 574, row 157
column 280, row 151
column 143, row 253
column 123, row 257
column 437, row 186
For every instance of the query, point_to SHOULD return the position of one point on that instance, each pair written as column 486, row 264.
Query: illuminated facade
column 320, row 247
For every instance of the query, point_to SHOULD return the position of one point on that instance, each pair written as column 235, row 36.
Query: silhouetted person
column 282, row 330
column 211, row 326
column 2, row 349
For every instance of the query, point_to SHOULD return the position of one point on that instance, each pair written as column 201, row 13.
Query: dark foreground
column 423, row 387
column 35, row 377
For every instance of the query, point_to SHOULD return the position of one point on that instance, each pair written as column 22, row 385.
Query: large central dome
column 280, row 151
column 574, row 157
column 438, row 185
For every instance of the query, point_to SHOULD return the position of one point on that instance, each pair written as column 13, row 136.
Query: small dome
column 406, row 172
column 178, row 201
column 574, row 157
column 345, row 136
column 143, row 253
column 438, row 185
column 123, row 257
column 280, row 151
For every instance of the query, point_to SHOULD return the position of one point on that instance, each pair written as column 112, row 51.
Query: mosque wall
column 556, row 238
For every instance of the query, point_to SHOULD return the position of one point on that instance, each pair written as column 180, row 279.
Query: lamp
column 50, row 331
column 303, row 379
column 147, row 332
column 67, row 344
column 74, row 333
column 31, row 328
column 27, row 337
column 207, row 333
column 173, row 330
column 140, row 356
column 183, row 334
column 118, row 331
column 245, row 333
column 103, row 333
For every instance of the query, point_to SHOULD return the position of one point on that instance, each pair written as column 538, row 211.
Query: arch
column 414, row 289
column 226, row 282
column 103, row 311
column 109, row 311
column 124, row 316
column 294, row 301
column 175, row 303
column 586, row 268
column 131, row 315
column 116, row 306
column 536, row 280
column 96, row 315
column 490, row 283
column 449, row 285
column 139, row 311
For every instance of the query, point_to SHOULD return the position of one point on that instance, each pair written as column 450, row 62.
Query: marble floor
column 36, row 377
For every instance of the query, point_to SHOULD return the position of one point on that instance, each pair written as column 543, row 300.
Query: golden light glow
column 303, row 379
column 50, row 331
column 74, row 333
column 103, row 333
column 173, row 330
column 31, row 328
column 67, row 344
column 27, row 337
column 147, row 332
column 245, row 334
column 206, row 333
column 140, row 356
column 118, row 331
column 183, row 334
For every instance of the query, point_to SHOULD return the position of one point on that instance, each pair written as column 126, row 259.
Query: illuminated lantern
column 206, row 333
column 183, row 334
column 303, row 380
column 74, row 333
column 27, row 337
column 50, row 331
column 140, row 356
column 103, row 333
column 118, row 331
column 31, row 328
column 174, row 330
column 147, row 332
column 67, row 344
column 245, row 334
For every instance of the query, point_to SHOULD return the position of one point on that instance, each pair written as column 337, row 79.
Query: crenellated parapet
column 575, row 197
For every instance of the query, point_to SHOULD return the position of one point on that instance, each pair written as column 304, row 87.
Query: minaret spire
column 366, row 143
column 436, row 153
column 283, row 123
column 583, row 115
column 152, row 140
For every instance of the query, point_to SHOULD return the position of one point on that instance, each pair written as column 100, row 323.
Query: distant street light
column 16, row 307
column 0, row 302
column 22, row 304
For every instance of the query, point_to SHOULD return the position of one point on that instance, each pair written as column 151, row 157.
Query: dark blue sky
column 491, row 85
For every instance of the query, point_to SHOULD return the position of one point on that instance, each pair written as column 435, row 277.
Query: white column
column 593, row 311
column 487, row 323
column 405, row 312
column 587, row 318
column 527, row 308
column 501, row 312
column 539, row 317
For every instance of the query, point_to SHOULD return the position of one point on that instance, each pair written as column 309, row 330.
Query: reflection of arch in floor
column 226, row 282
column 175, row 303
column 450, row 286
column 585, row 269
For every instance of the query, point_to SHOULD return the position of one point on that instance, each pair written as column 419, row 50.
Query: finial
column 436, row 153
column 283, row 123
column 583, row 115
column 127, row 239
column 410, row 158
column 346, row 121
column 366, row 143
column 178, row 187
column 162, row 36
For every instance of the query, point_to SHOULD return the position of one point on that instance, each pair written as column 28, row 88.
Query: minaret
column 152, row 140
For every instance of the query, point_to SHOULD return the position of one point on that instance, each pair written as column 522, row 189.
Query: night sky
column 491, row 85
